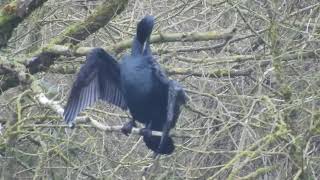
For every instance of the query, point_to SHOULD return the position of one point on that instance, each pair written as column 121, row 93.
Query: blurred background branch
column 250, row 68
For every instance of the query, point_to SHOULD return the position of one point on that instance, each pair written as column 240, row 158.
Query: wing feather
column 111, row 89
column 98, row 78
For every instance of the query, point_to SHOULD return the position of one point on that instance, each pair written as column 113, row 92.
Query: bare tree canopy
column 250, row 70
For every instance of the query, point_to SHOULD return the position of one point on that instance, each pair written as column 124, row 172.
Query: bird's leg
column 147, row 132
column 127, row 128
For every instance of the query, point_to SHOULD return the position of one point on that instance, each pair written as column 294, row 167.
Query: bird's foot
column 71, row 125
column 145, row 132
column 127, row 128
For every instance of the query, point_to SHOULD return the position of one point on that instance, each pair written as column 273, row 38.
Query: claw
column 127, row 128
column 71, row 125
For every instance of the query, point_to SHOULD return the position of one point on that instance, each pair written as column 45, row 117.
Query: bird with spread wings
column 136, row 83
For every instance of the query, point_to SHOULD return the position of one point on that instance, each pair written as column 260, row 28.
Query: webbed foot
column 127, row 128
column 146, row 132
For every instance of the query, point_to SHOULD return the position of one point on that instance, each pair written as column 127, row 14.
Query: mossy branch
column 162, row 38
column 12, row 14
column 180, row 37
column 211, row 74
column 43, row 59
column 13, row 74
column 74, row 34
column 80, row 31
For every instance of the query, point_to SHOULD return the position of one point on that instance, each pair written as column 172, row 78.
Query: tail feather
column 144, row 31
column 154, row 141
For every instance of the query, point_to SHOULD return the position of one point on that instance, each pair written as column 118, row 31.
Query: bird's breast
column 145, row 96
column 136, row 80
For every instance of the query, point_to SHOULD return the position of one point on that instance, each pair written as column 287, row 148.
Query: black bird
column 137, row 83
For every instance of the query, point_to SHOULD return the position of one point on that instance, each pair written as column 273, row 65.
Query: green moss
column 316, row 117
column 269, row 104
column 4, row 19
column 221, row 72
column 259, row 172
column 7, row 24
column 316, row 123
column 72, row 30
column 286, row 92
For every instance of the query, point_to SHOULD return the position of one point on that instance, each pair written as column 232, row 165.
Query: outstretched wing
column 98, row 78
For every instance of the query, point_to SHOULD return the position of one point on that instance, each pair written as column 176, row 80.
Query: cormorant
column 137, row 83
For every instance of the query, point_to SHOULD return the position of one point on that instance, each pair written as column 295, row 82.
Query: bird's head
column 98, row 52
column 144, row 28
